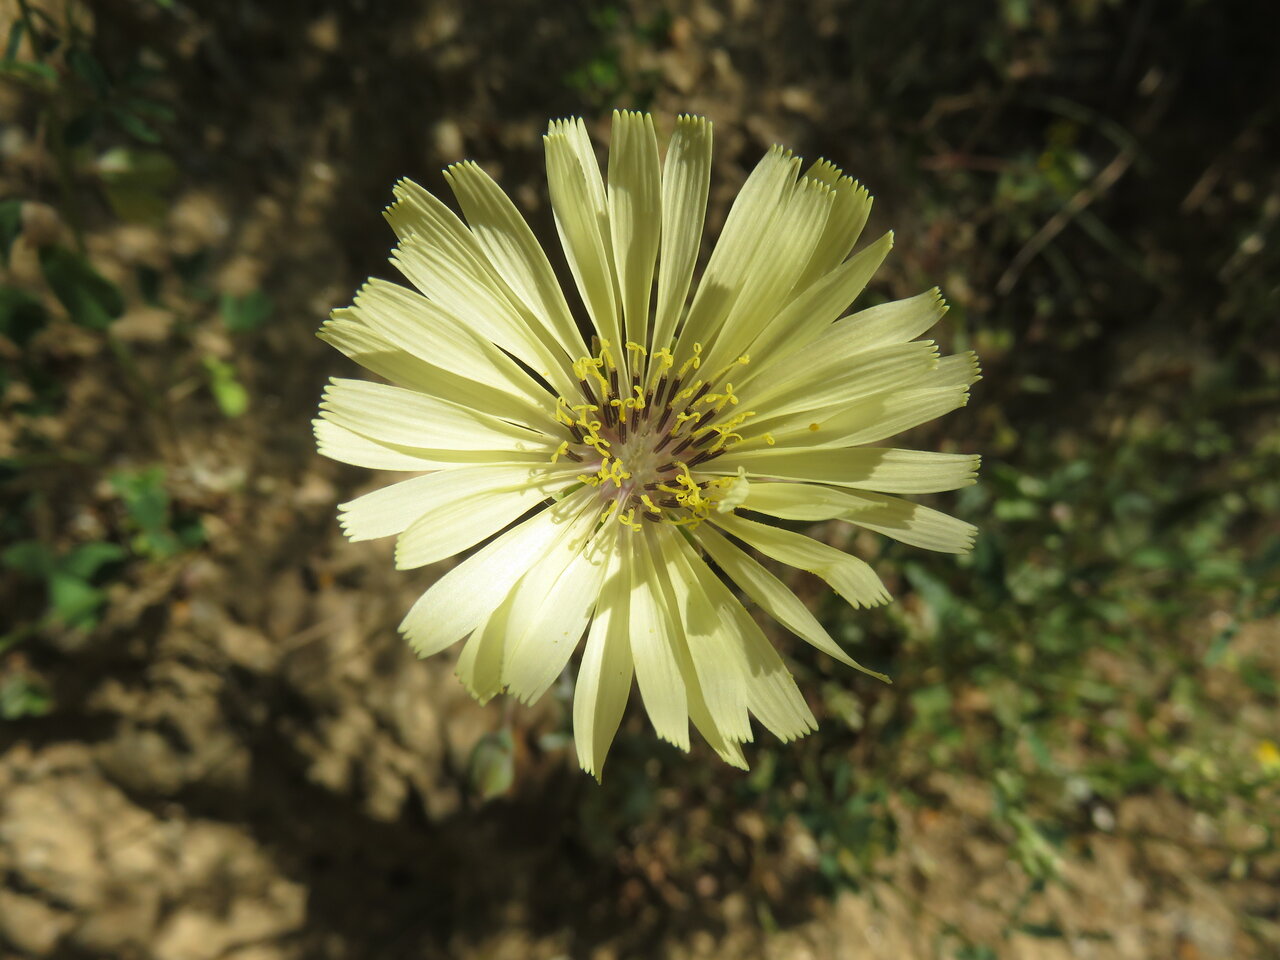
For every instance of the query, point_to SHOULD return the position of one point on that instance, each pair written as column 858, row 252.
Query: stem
column 52, row 126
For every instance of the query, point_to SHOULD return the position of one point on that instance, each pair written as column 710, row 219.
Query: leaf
column 147, row 502
column 37, row 74
column 144, row 496
column 84, row 65
column 90, row 299
column 241, row 314
column 30, row 557
column 10, row 226
column 228, row 391
column 491, row 770
column 80, row 128
column 87, row 559
column 74, row 601
column 21, row 315
column 16, row 31
column 21, row 697
column 135, row 182
column 134, row 125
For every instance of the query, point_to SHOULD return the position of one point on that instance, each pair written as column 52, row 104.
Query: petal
column 850, row 577
column 462, row 599
column 730, row 751
column 395, row 508
column 834, row 344
column 716, row 652
column 887, row 469
column 635, row 215
column 893, row 322
column 377, row 354
column 413, row 419
column 812, row 311
column 884, row 414
column 480, row 663
column 851, row 205
column 908, row 522
column 444, row 260
column 686, row 177
column 771, row 691
column 550, row 609
column 792, row 238
column 472, row 365
column 604, row 675
column 834, row 385
column 467, row 505
column 514, row 252
column 582, row 220
column 653, row 642
column 346, row 446
column 772, row 596
column 740, row 247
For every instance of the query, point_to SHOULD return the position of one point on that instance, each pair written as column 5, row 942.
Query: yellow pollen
column 688, row 391
column 665, row 361
column 628, row 519
column 606, row 355
column 561, row 451
column 649, row 504
column 813, row 427
column 692, row 363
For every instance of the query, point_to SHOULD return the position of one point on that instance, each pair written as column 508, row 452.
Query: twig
column 1100, row 184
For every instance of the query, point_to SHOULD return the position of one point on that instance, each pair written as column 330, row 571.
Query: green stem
column 52, row 123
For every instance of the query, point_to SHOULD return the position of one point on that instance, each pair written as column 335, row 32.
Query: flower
column 600, row 480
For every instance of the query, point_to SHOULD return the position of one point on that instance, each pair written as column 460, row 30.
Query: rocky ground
column 244, row 762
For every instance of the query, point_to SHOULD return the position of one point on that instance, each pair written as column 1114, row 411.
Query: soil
column 245, row 762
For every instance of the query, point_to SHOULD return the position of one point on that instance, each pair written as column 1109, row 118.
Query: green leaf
column 36, row 74
column 21, row 315
column 242, row 314
column 16, row 32
column 228, row 391
column 30, row 557
column 136, row 181
column 134, row 125
column 491, row 770
column 87, row 559
column 22, row 697
column 10, row 227
column 90, row 299
column 160, row 112
column 81, row 128
column 144, row 497
column 73, row 600
column 147, row 502
column 84, row 65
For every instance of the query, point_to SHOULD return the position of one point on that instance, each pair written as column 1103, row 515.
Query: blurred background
column 214, row 745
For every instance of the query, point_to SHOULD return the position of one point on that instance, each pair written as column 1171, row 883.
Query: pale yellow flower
column 599, row 479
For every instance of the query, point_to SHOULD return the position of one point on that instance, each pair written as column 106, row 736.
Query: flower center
column 644, row 432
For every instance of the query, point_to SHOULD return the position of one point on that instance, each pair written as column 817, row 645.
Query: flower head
column 600, row 474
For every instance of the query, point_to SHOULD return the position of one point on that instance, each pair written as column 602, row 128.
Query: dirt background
column 244, row 762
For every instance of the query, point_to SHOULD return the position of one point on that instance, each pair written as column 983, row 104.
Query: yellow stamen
column 665, row 361
column 692, row 363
